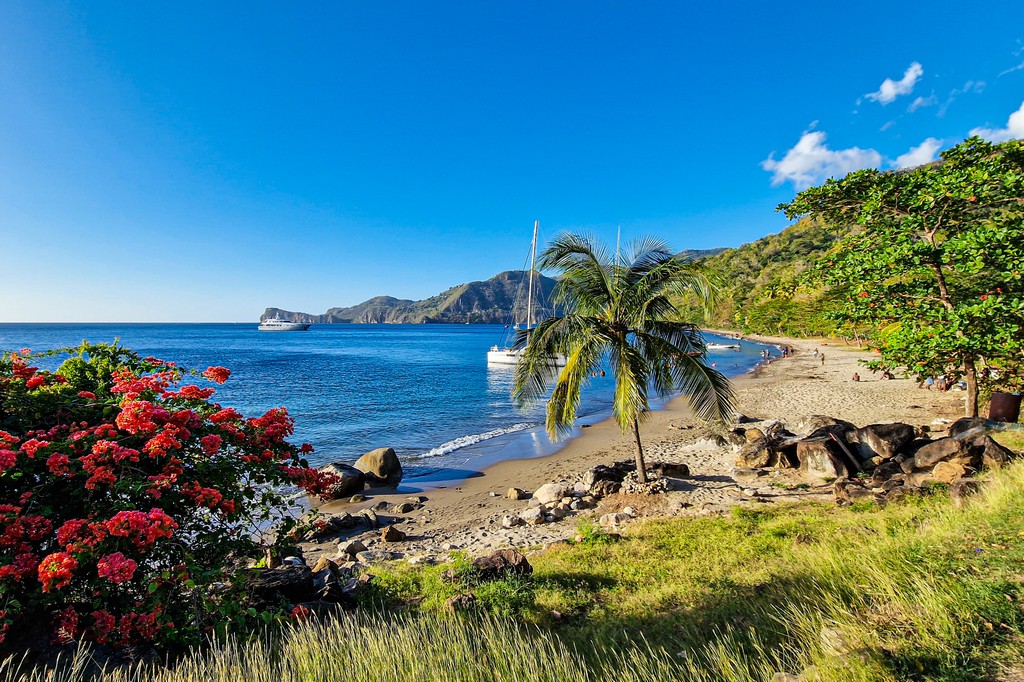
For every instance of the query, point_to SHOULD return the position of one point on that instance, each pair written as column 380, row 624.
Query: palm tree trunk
column 641, row 467
column 971, row 376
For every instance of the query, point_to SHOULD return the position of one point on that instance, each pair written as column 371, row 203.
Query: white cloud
column 926, row 152
column 1014, row 128
column 886, row 126
column 1019, row 67
column 810, row 161
column 974, row 87
column 922, row 102
column 890, row 89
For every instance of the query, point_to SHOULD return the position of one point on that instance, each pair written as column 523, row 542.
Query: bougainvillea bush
column 127, row 495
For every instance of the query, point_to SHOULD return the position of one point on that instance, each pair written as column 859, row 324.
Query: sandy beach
column 468, row 516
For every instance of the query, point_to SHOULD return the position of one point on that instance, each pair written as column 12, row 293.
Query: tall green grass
column 922, row 590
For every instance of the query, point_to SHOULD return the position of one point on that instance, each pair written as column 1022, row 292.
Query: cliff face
column 487, row 302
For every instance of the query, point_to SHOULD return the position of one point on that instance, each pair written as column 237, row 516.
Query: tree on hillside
column 620, row 309
column 935, row 261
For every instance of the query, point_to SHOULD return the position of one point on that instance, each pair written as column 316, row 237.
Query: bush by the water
column 126, row 497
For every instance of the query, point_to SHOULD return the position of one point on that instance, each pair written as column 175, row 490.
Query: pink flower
column 116, row 567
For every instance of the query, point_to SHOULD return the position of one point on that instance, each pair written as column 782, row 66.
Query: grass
column 921, row 590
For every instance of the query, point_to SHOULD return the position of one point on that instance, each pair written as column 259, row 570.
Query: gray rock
column 533, row 516
column 509, row 521
column 381, row 467
column 352, row 548
column 613, row 520
column 550, row 492
column 375, row 556
column 392, row 534
column 822, row 458
column 882, row 440
column 350, row 480
column 939, row 450
column 745, row 475
column 605, row 488
column 502, row 563
column 516, row 494
column 992, row 454
column 964, row 489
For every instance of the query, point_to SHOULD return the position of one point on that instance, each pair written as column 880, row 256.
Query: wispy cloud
column 811, row 161
column 886, row 126
column 1014, row 129
column 921, row 102
column 972, row 87
column 926, row 152
column 889, row 90
column 1019, row 67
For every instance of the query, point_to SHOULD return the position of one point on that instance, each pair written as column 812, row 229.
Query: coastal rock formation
column 381, row 467
column 351, row 480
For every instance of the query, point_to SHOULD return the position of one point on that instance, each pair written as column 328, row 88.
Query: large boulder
column 939, row 451
column 381, row 467
column 550, row 493
column 819, row 425
column 350, row 480
column 502, row 563
column 992, row 454
column 965, row 424
column 267, row 586
column 822, row 458
column 881, row 440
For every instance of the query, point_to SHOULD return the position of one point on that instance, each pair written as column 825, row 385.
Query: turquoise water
column 425, row 390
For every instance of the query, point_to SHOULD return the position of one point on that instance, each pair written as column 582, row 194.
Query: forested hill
column 758, row 284
column 488, row 302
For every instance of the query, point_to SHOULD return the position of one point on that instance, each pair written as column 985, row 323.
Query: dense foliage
column 932, row 262
column 620, row 309
column 759, row 287
column 126, row 498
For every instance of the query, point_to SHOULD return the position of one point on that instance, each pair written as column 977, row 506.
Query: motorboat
column 276, row 324
column 723, row 346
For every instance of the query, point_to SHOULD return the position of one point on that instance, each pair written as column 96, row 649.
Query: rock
column 533, row 516
column 939, row 450
column 849, row 490
column 323, row 563
column 502, row 563
column 323, row 578
column 918, row 479
column 613, row 520
column 404, row 508
column 949, row 471
column 391, row 534
column 381, row 467
column 509, row 521
column 556, row 513
column 882, row 440
column 550, row 492
column 671, row 469
column 960, row 491
column 745, row 475
column 754, row 455
column 269, row 585
column 821, row 458
column 352, row 548
column 741, row 418
column 992, row 454
column 371, row 556
column 293, row 561
column 350, row 480
column 368, row 517
column 516, row 494
column 817, row 426
column 357, row 498
column 616, row 473
column 630, row 511
column 965, row 424
column 605, row 488
column 884, row 472
column 786, row 677
column 460, row 602
column 753, row 434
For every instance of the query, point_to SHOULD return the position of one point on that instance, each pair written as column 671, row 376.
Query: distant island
column 487, row 302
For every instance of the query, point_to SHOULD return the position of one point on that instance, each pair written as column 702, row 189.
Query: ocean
column 424, row 390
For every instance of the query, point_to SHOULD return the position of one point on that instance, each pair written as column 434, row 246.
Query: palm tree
column 621, row 309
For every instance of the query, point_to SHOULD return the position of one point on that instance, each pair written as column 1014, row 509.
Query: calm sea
column 425, row 390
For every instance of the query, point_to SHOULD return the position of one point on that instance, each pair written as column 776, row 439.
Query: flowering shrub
column 126, row 497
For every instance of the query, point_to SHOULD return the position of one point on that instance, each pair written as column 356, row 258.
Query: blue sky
column 201, row 161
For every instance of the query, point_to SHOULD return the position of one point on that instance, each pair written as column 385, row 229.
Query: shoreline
column 467, row 515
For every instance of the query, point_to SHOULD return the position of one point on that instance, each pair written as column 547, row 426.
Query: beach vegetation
column 619, row 309
column 917, row 590
column 129, row 501
column 931, row 260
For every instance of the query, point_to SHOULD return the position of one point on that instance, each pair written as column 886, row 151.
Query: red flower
column 32, row 446
column 211, row 444
column 192, row 392
column 55, row 570
column 67, row 626
column 217, row 374
column 116, row 567
column 35, row 382
column 8, row 458
column 299, row 613
column 87, row 394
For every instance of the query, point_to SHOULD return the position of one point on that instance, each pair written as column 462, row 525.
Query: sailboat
column 505, row 354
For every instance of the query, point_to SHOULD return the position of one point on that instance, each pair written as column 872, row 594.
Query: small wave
column 472, row 439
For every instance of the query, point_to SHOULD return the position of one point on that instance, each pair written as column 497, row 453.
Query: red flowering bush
column 126, row 498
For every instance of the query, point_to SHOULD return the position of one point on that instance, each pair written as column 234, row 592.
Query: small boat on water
column 723, row 346
column 276, row 324
column 504, row 354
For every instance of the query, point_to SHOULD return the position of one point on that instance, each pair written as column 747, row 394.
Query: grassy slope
column 916, row 591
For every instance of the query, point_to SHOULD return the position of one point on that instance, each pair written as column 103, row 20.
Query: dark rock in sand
column 671, row 469
column 501, row 563
column 392, row 534
column 351, row 480
column 270, row 585
column 940, row 450
column 965, row 424
column 823, row 458
column 992, row 454
column 881, row 440
column 820, row 425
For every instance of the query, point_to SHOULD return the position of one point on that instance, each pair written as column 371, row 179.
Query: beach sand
column 468, row 516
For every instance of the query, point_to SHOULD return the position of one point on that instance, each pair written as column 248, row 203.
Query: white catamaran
column 505, row 354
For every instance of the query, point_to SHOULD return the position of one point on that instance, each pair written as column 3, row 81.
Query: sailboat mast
column 529, row 294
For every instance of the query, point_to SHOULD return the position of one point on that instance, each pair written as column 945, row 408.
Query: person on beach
column 815, row 352
column 822, row 356
column 855, row 377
